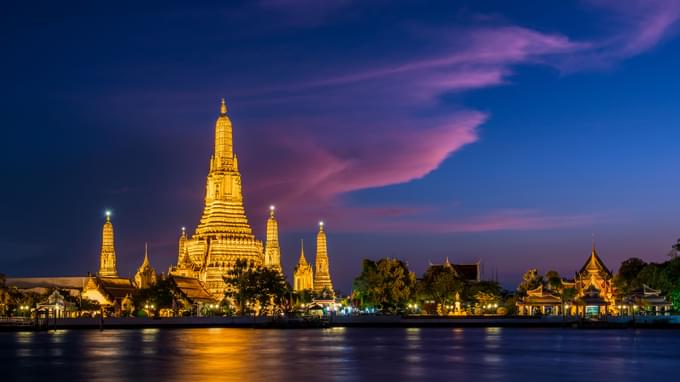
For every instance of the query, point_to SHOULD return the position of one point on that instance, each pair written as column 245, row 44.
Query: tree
column 249, row 286
column 387, row 284
column 674, row 297
column 530, row 280
column 159, row 295
column 654, row 276
column 272, row 292
column 240, row 285
column 440, row 283
column 554, row 280
column 567, row 295
column 630, row 268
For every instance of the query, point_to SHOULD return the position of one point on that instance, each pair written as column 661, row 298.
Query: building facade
column 145, row 276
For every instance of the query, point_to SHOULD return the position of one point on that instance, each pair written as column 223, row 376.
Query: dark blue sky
column 418, row 130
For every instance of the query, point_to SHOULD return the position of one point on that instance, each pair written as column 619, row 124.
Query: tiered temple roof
column 322, row 276
column 223, row 234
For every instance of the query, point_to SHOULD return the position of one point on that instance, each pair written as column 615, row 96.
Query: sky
column 507, row 132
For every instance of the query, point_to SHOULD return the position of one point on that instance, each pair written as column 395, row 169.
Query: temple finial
column 108, row 215
column 593, row 241
column 223, row 107
column 321, row 225
column 271, row 210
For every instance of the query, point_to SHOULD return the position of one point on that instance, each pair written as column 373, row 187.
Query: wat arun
column 223, row 234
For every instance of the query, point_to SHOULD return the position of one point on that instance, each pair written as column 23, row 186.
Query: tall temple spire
column 145, row 263
column 223, row 235
column 107, row 254
column 181, row 253
column 223, row 212
column 322, row 277
column 224, row 154
column 146, row 275
column 272, row 250
column 303, row 275
column 302, row 259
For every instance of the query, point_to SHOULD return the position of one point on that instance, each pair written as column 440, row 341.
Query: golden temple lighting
column 322, row 277
column 107, row 254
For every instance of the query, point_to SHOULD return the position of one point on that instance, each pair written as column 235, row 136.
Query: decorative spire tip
column 223, row 107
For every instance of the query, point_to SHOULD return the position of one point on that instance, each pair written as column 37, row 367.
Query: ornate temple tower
column 223, row 234
column 272, row 251
column 107, row 255
column 303, row 276
column 322, row 276
column 146, row 275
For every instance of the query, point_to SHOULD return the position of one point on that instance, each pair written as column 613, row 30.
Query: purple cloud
column 351, row 148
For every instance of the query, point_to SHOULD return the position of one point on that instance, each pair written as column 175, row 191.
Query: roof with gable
column 594, row 264
column 192, row 289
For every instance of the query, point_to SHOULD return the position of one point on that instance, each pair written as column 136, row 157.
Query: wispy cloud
column 376, row 130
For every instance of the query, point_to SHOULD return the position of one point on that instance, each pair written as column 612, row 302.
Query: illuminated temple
column 223, row 234
column 322, row 276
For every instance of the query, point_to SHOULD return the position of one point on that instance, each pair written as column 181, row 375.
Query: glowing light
column 272, row 208
column 321, row 223
column 108, row 213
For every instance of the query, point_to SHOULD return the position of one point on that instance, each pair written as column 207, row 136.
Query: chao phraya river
column 376, row 354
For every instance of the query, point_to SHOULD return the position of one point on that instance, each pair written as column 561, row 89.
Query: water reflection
column 340, row 354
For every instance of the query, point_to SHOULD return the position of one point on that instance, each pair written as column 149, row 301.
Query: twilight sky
column 503, row 131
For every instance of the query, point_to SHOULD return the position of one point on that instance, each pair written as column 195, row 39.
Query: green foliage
column 568, row 294
column 634, row 273
column 675, row 297
column 655, row 276
column 160, row 295
column 249, row 287
column 441, row 283
column 483, row 293
column 88, row 305
column 386, row 284
column 554, row 280
column 530, row 280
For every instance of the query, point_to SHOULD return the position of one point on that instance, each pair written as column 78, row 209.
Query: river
column 341, row 354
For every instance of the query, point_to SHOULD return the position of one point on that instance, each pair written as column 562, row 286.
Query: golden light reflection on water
column 313, row 355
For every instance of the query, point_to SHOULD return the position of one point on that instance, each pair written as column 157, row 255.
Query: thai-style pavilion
column 594, row 288
column 645, row 299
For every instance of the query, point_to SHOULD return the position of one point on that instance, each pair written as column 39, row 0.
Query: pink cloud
column 372, row 133
column 383, row 155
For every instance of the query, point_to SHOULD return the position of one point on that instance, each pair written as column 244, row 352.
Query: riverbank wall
column 669, row 322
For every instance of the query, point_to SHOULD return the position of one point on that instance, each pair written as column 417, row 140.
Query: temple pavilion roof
column 469, row 272
column 541, row 296
column 594, row 264
column 116, row 287
column 192, row 289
